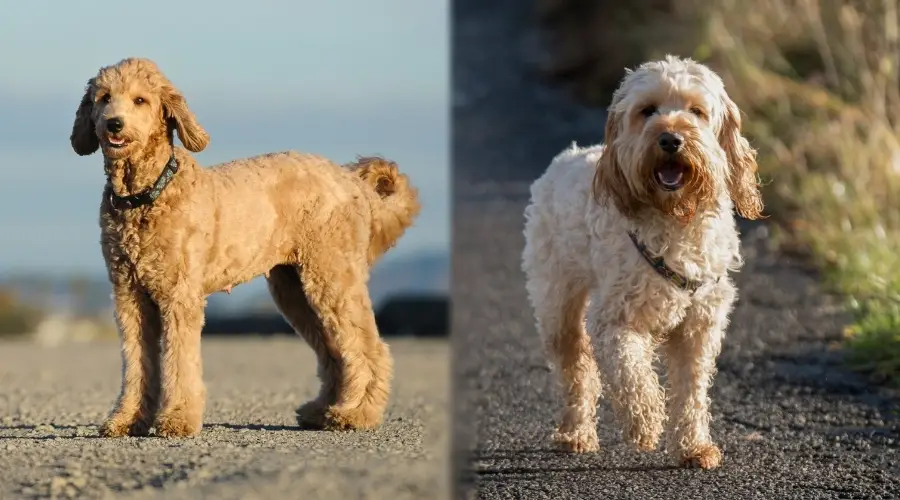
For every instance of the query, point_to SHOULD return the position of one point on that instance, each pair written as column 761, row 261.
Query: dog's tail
column 398, row 205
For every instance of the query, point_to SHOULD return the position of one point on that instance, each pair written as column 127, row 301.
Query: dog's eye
column 106, row 98
column 699, row 112
column 139, row 101
column 649, row 111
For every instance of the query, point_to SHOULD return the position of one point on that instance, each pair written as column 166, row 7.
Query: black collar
column 665, row 271
column 150, row 195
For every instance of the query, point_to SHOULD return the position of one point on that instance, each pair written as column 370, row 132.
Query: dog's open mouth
column 116, row 142
column 670, row 175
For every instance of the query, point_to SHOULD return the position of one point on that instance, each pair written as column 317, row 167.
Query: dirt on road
column 52, row 399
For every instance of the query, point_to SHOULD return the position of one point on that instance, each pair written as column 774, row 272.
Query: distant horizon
column 392, row 257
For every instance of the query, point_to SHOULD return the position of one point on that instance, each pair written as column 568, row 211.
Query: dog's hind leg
column 287, row 291
column 626, row 359
column 356, row 361
column 139, row 326
column 558, row 299
column 559, row 310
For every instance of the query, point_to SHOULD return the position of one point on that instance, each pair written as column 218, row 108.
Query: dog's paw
column 363, row 417
column 577, row 441
column 114, row 428
column 314, row 415
column 644, row 439
column 311, row 415
column 706, row 456
column 646, row 443
column 140, row 428
column 120, row 426
column 175, row 425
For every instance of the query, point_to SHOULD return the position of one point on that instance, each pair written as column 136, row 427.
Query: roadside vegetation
column 16, row 319
column 819, row 83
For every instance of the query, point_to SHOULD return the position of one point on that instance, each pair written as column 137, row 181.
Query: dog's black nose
column 670, row 143
column 115, row 125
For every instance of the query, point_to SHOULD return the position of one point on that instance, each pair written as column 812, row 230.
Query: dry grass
column 819, row 82
column 16, row 319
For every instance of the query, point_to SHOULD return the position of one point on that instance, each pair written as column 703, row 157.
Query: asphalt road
column 51, row 400
column 793, row 421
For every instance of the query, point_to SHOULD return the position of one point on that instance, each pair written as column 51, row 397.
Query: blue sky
column 337, row 78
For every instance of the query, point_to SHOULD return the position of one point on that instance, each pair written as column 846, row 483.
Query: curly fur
column 398, row 209
column 597, row 301
column 312, row 227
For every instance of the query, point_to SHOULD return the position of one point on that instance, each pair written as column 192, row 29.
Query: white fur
column 597, row 300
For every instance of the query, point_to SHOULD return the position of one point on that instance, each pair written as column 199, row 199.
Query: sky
column 336, row 78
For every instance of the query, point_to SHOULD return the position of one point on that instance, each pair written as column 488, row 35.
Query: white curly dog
column 628, row 248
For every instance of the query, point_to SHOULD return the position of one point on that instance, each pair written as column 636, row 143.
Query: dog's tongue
column 670, row 174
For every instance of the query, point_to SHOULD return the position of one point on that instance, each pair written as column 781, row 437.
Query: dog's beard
column 136, row 166
column 677, row 185
column 115, row 146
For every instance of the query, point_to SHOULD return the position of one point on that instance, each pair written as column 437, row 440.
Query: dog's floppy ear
column 84, row 139
column 743, row 185
column 175, row 108
column 609, row 180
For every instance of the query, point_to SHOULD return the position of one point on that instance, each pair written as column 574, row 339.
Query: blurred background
column 819, row 85
column 261, row 76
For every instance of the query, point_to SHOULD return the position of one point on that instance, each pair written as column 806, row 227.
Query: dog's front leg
column 183, row 391
column 139, row 326
column 626, row 359
column 691, row 352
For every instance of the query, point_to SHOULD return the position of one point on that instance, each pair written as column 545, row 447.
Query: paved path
column 793, row 422
column 51, row 400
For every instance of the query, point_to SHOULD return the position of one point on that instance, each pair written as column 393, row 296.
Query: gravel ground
column 51, row 400
column 793, row 422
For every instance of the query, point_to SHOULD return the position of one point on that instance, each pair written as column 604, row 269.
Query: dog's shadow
column 51, row 428
column 257, row 427
column 47, row 436
column 550, row 460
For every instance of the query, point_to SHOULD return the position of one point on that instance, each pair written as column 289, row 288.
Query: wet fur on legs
column 600, row 308
column 313, row 227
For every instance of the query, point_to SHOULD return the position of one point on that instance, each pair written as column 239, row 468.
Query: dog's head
column 129, row 106
column 674, row 142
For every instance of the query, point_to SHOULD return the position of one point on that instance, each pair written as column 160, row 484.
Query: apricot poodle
column 628, row 248
column 173, row 232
